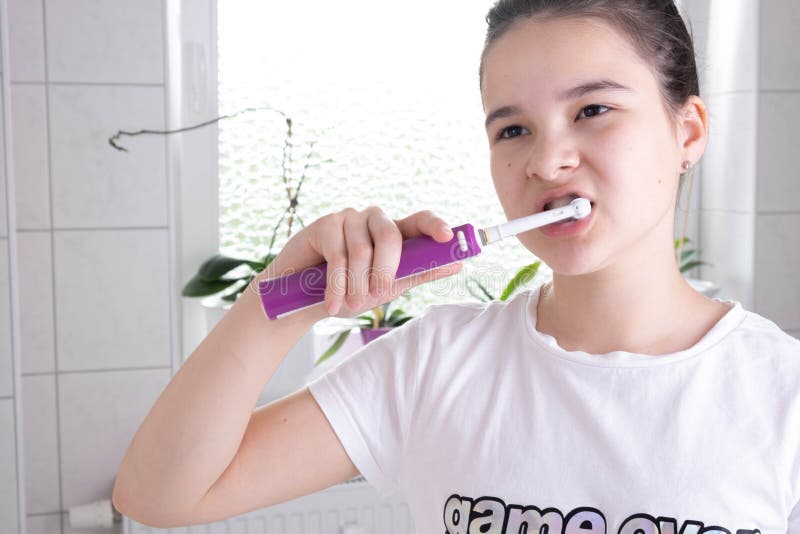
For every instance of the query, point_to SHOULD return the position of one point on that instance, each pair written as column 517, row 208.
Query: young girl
column 613, row 399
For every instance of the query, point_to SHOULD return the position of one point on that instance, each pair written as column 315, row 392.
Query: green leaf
column 683, row 240
column 686, row 254
column 218, row 265
column 397, row 318
column 333, row 348
column 395, row 315
column 474, row 294
column 523, row 276
column 485, row 291
column 198, row 287
column 401, row 322
column 692, row 265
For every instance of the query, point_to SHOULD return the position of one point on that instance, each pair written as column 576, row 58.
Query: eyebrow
column 570, row 94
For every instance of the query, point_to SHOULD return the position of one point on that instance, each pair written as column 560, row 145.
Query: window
column 388, row 92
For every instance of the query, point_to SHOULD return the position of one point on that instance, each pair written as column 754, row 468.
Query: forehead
column 543, row 57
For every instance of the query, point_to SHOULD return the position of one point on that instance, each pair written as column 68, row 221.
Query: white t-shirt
column 485, row 424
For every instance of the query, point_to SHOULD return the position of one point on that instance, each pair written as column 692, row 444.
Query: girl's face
column 571, row 107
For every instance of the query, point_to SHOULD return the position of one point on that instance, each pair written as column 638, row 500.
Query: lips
column 558, row 193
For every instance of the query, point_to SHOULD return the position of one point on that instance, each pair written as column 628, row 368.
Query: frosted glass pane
column 390, row 96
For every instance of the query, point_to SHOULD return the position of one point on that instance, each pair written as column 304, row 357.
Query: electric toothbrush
column 283, row 295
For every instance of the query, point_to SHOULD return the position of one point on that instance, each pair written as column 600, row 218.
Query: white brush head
column 582, row 208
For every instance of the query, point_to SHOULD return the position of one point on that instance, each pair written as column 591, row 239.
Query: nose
column 552, row 156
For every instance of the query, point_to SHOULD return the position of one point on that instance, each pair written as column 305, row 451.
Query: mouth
column 553, row 202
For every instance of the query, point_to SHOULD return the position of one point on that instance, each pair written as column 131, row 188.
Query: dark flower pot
column 369, row 334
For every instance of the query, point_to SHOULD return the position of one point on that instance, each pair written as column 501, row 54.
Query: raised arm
column 203, row 453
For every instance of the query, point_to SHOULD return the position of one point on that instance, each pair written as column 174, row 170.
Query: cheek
column 632, row 157
column 509, row 182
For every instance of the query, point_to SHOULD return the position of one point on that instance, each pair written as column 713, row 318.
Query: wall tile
column 99, row 41
column 728, row 243
column 95, row 185
column 9, row 503
column 26, row 40
column 732, row 47
column 31, row 174
column 6, row 356
column 41, row 444
column 44, row 524
column 777, row 265
column 37, row 336
column 100, row 413
column 697, row 14
column 729, row 164
column 112, row 299
column 780, row 53
column 778, row 174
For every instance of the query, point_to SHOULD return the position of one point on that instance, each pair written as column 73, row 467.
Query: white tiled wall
column 92, row 244
column 777, row 259
column 750, row 194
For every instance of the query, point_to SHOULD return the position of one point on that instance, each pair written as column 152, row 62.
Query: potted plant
column 686, row 259
column 372, row 324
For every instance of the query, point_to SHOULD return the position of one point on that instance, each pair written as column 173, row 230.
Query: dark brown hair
column 655, row 28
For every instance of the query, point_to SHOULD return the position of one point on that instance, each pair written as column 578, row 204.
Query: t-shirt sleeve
column 368, row 401
column 794, row 520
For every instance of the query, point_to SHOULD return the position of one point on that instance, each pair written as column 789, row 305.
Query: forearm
column 194, row 429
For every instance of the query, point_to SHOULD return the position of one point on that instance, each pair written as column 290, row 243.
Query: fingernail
column 333, row 307
column 447, row 229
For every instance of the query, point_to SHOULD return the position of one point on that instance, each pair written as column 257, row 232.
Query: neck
column 640, row 304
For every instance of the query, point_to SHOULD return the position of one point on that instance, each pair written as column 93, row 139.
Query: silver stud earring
column 687, row 165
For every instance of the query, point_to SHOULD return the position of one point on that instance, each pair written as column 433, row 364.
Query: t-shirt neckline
column 729, row 322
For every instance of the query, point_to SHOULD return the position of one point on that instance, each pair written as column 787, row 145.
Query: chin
column 567, row 260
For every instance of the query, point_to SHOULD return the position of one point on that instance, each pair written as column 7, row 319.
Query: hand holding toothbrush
column 403, row 249
column 347, row 257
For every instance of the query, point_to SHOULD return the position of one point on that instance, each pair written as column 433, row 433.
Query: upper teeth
column 561, row 201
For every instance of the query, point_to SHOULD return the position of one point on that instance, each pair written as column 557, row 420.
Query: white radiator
column 350, row 508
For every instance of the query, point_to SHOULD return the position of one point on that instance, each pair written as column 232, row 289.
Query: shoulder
column 470, row 321
column 759, row 332
column 760, row 345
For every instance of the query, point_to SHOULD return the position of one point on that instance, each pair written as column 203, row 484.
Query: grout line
column 54, row 293
column 778, row 212
column 91, row 84
column 758, row 212
column 90, row 371
column 92, row 229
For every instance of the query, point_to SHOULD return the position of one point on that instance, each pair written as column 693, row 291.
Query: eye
column 511, row 131
column 592, row 111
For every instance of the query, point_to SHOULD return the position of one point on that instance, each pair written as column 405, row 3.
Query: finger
column 359, row 257
column 388, row 243
column 425, row 223
column 335, row 252
column 404, row 284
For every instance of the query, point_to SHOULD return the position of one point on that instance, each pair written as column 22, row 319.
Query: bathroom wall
column 93, row 242
column 749, row 188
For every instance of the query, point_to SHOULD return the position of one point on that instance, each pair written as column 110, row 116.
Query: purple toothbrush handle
column 289, row 293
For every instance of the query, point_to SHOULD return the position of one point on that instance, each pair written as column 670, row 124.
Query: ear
column 693, row 129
